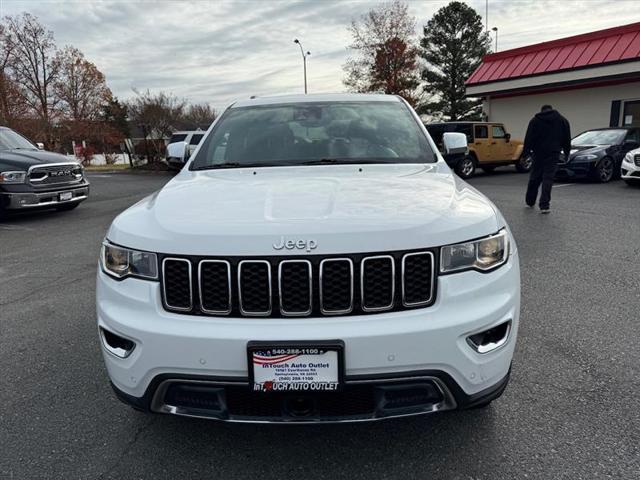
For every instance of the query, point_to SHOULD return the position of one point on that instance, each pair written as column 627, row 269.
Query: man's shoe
column 545, row 210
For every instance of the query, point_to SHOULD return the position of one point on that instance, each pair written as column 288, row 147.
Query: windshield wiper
column 237, row 165
column 346, row 161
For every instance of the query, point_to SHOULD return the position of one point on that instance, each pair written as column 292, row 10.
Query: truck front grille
column 299, row 286
column 55, row 174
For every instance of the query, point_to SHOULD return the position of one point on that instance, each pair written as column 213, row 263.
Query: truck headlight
column 120, row 262
column 484, row 254
column 13, row 177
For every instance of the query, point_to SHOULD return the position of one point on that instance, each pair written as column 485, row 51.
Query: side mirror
column 40, row 145
column 507, row 137
column 178, row 151
column 454, row 142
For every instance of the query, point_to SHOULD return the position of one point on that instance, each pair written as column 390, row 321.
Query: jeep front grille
column 299, row 286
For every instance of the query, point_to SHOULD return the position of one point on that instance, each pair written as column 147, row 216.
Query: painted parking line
column 564, row 185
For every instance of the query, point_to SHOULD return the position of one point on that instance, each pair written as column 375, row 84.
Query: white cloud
column 216, row 51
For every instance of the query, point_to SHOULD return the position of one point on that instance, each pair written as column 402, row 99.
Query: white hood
column 342, row 208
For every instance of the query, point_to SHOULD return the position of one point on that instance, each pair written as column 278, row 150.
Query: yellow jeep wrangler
column 490, row 146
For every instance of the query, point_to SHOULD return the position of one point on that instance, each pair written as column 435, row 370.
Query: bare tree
column 157, row 115
column 199, row 115
column 386, row 52
column 80, row 86
column 34, row 65
column 11, row 105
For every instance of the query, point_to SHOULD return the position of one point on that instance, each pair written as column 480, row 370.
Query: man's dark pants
column 542, row 172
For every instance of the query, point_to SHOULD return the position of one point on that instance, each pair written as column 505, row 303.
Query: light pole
column 486, row 16
column 304, row 62
column 495, row 29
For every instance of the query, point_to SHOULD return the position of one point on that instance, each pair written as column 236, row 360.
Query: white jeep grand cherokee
column 315, row 261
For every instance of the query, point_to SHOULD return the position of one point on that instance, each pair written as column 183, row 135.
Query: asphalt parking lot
column 572, row 409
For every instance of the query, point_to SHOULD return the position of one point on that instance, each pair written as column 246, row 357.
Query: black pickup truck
column 34, row 179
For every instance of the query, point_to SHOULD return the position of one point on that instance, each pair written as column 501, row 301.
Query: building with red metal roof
column 593, row 79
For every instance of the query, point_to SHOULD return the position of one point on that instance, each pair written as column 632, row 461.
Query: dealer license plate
column 295, row 368
column 64, row 196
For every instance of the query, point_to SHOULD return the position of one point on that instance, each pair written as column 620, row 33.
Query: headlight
column 586, row 158
column 123, row 262
column 628, row 157
column 484, row 254
column 13, row 177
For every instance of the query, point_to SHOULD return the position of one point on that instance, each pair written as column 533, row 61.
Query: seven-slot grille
column 636, row 159
column 299, row 286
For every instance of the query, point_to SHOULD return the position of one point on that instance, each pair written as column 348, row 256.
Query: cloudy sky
column 217, row 51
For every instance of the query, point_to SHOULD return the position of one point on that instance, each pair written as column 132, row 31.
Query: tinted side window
column 633, row 136
column 177, row 138
column 482, row 131
column 466, row 129
column 497, row 131
column 436, row 132
column 195, row 139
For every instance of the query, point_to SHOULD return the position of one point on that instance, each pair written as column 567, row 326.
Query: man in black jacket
column 548, row 135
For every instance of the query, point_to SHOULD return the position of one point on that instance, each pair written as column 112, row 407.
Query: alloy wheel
column 467, row 168
column 605, row 170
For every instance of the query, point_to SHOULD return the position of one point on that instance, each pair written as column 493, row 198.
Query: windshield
column 308, row 133
column 600, row 137
column 10, row 140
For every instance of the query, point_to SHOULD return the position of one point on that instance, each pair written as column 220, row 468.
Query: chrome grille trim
column 432, row 283
column 310, row 277
column 393, row 284
column 335, row 312
column 265, row 313
column 45, row 167
column 214, row 312
column 636, row 159
column 164, row 285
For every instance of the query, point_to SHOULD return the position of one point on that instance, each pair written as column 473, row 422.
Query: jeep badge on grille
column 290, row 244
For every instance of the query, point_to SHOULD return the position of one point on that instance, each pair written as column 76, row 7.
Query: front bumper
column 30, row 200
column 575, row 170
column 428, row 345
column 629, row 170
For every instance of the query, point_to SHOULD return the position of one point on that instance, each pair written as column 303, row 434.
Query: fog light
column 115, row 344
column 491, row 339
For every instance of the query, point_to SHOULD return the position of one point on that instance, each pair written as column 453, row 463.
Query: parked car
column 597, row 154
column 490, row 146
column 316, row 260
column 34, row 179
column 191, row 139
column 630, row 171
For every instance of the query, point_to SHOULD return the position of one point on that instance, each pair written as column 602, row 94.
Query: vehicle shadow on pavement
column 431, row 444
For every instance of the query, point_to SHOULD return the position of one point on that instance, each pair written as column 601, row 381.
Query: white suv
column 630, row 168
column 316, row 260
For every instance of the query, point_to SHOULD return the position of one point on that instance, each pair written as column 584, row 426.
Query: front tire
column 524, row 164
column 466, row 167
column 604, row 170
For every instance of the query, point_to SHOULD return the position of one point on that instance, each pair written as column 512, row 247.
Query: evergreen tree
column 453, row 45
